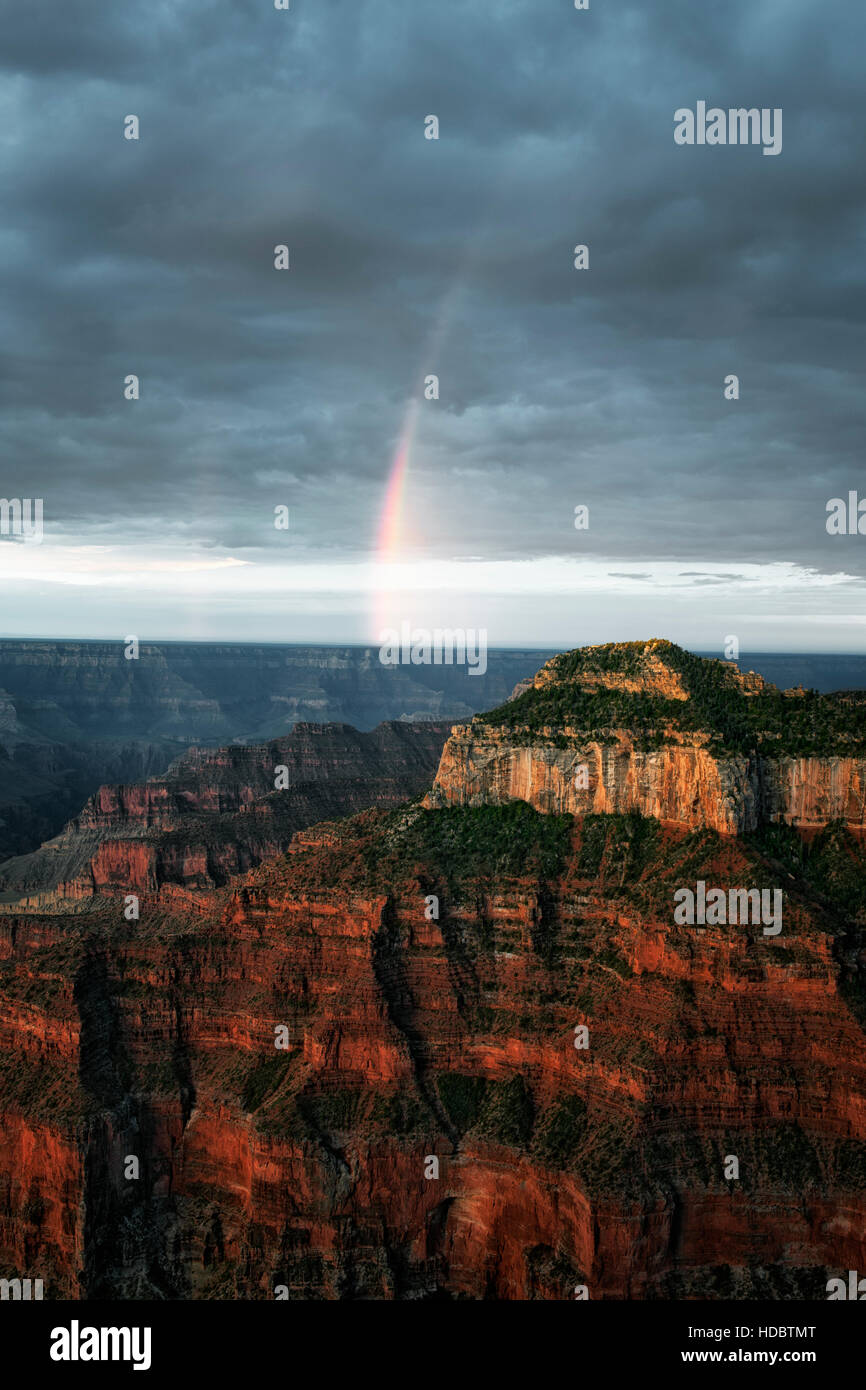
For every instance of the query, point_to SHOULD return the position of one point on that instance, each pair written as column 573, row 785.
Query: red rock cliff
column 216, row 812
column 411, row 1038
column 429, row 1128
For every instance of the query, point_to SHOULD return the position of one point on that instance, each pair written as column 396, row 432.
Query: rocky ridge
column 428, row 970
column 647, row 727
column 217, row 812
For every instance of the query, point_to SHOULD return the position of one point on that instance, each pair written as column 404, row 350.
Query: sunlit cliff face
column 461, row 1047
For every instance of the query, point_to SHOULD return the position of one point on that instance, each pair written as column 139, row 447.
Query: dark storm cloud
column 411, row 256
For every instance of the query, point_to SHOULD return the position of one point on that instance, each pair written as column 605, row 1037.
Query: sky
column 410, row 257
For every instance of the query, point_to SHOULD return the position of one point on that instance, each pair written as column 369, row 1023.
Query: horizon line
column 371, row 646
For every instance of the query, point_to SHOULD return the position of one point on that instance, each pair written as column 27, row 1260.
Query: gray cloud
column 412, row 256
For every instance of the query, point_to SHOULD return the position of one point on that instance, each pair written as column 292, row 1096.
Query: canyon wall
column 677, row 783
column 308, row 1168
column 216, row 813
column 74, row 715
column 459, row 1047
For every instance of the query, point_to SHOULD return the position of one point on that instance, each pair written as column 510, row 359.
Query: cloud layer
column 409, row 257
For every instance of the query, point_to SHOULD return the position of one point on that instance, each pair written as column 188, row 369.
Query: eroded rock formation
column 216, row 812
column 695, row 751
column 430, row 1129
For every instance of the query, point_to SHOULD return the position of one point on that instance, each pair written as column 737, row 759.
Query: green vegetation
column 507, row 1114
column 42, row 1089
column 398, row 1114
column 466, row 843
column 849, row 1164
column 779, row 1283
column 785, row 1153
column 767, row 720
column 560, row 1131
column 615, row 962
column 499, row 1111
column 617, row 850
column 832, row 863
column 263, row 1079
column 462, row 1097
column 156, row 1077
column 778, row 1157
column 599, row 1151
column 331, row 1111
column 552, row 1269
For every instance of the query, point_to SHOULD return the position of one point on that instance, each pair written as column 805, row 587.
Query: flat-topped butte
column 664, row 695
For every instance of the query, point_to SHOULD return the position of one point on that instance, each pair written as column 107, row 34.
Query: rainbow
column 390, row 539
column 390, row 524
column 391, row 542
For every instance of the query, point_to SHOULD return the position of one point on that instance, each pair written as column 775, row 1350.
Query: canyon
column 76, row 715
column 217, row 812
column 488, row 975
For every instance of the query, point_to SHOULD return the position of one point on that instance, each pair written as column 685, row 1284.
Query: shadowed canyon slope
column 217, row 812
column 427, row 968
column 74, row 715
